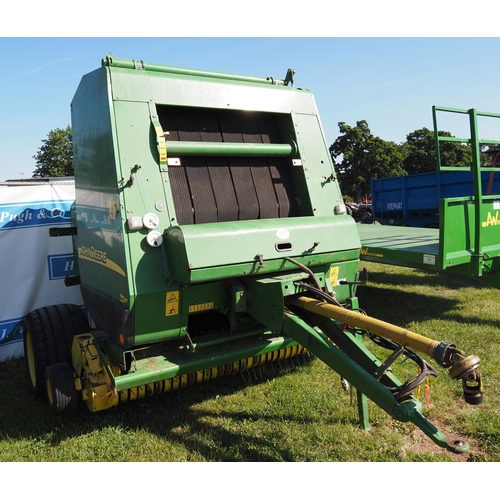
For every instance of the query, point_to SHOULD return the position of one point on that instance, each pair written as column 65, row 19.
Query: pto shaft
column 445, row 353
column 369, row 324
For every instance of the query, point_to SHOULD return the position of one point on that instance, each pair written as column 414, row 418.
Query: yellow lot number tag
column 172, row 305
column 201, row 307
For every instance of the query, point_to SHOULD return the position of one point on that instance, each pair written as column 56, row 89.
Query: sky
column 389, row 81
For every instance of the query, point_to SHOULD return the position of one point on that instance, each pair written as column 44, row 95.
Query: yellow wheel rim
column 49, row 392
column 31, row 358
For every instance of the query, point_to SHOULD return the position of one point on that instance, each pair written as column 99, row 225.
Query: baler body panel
column 223, row 213
column 101, row 246
column 196, row 252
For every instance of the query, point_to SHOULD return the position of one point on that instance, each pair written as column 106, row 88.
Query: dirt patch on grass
column 448, row 291
column 418, row 441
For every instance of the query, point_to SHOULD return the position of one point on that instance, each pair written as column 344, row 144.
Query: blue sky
column 390, row 82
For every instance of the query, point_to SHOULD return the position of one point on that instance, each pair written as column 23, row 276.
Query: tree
column 363, row 157
column 420, row 152
column 55, row 157
column 359, row 156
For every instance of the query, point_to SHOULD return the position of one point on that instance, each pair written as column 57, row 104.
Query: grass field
column 299, row 415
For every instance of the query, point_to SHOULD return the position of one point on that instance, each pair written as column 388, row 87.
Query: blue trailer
column 413, row 200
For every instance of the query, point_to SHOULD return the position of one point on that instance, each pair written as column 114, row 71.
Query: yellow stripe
column 113, row 266
column 100, row 258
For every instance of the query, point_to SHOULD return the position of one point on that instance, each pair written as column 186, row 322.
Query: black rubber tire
column 60, row 387
column 48, row 335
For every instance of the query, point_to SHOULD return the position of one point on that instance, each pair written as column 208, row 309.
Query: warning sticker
column 334, row 275
column 172, row 303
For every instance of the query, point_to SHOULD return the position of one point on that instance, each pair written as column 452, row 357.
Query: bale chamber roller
column 210, row 233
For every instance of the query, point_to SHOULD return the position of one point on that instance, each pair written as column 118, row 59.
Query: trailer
column 466, row 240
column 210, row 238
column 413, row 200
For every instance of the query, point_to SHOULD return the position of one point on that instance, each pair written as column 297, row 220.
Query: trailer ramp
column 403, row 246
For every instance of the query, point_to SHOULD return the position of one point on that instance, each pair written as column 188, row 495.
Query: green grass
column 299, row 415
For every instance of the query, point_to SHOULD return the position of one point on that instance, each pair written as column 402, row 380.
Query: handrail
column 112, row 61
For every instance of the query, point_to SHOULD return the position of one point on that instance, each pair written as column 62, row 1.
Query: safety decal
column 172, row 303
column 334, row 275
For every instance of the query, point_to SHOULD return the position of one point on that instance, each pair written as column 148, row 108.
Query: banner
column 33, row 265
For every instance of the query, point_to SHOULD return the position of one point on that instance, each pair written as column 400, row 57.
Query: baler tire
column 62, row 396
column 48, row 336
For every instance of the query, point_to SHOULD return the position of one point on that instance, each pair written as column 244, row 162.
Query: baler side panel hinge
column 161, row 143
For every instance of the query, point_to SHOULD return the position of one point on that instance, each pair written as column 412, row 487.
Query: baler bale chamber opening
column 229, row 188
column 210, row 233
